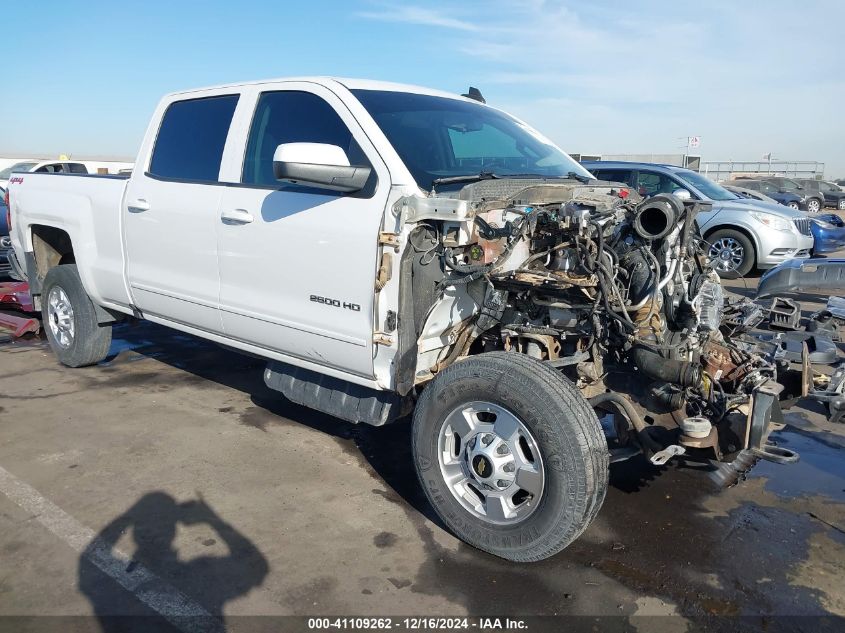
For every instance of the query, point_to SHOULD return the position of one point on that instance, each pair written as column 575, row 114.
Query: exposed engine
column 614, row 291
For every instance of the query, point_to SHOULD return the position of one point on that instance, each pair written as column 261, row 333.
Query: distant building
column 727, row 169
column 681, row 160
column 721, row 169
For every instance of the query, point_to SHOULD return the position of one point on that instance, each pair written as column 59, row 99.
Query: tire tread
column 91, row 341
column 585, row 433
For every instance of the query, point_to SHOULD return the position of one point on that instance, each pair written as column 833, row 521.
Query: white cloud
column 418, row 15
column 602, row 76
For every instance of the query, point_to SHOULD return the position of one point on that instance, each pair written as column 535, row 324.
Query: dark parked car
column 833, row 195
column 790, row 199
column 5, row 242
column 815, row 200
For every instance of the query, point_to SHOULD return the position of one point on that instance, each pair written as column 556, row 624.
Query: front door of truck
column 171, row 215
column 298, row 264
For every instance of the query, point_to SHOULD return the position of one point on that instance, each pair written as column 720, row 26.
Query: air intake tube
column 656, row 217
column 677, row 372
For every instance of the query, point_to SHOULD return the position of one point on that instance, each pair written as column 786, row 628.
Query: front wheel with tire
column 731, row 252
column 814, row 205
column 510, row 455
column 841, row 204
column 793, row 205
column 70, row 320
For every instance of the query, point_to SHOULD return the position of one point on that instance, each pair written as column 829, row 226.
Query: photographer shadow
column 140, row 593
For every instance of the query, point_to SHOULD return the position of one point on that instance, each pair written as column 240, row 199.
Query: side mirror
column 318, row 165
column 683, row 194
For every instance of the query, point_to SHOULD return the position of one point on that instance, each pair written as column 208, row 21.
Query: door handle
column 139, row 206
column 236, row 216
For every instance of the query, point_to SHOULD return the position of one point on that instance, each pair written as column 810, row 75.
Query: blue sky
column 613, row 77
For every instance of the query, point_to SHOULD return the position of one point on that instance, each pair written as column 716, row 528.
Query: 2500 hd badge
column 337, row 303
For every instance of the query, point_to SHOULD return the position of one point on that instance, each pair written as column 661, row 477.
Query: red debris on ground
column 17, row 326
column 15, row 296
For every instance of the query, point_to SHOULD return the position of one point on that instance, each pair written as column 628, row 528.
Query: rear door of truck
column 171, row 211
column 297, row 264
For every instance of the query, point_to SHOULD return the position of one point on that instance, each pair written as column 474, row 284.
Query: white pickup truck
column 389, row 247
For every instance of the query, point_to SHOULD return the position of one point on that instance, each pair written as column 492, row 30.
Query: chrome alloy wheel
column 727, row 254
column 60, row 313
column 491, row 463
column 813, row 206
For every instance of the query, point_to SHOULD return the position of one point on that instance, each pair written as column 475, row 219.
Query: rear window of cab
column 190, row 141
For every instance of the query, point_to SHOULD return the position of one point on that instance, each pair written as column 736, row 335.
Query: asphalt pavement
column 168, row 479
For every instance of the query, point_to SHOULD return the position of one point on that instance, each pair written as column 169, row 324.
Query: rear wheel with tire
column 841, row 204
column 732, row 253
column 510, row 455
column 793, row 205
column 70, row 320
column 814, row 205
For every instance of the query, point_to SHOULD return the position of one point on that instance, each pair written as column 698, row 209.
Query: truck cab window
column 293, row 117
column 52, row 168
column 191, row 138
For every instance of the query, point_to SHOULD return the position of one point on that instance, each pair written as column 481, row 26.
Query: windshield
column 438, row 137
column 6, row 173
column 706, row 186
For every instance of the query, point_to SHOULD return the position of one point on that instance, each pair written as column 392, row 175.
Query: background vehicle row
column 744, row 234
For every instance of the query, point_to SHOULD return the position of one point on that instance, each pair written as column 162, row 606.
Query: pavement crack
column 827, row 523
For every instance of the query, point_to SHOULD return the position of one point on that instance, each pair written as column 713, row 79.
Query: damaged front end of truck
column 613, row 291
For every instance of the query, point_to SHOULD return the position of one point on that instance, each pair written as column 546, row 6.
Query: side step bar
column 336, row 397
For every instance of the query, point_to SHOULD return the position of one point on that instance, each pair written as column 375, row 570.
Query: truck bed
column 85, row 206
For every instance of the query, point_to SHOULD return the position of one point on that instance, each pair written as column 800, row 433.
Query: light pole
column 692, row 143
column 769, row 158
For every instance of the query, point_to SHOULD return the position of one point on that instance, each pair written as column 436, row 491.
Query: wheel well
column 738, row 229
column 51, row 247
